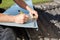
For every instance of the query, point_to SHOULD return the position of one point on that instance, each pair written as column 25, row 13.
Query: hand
column 33, row 12
column 21, row 18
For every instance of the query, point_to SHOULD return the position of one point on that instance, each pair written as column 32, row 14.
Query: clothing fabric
column 14, row 9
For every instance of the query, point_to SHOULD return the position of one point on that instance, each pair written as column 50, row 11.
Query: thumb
column 26, row 16
column 31, row 15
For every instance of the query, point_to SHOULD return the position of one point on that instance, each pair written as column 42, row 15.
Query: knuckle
column 23, row 19
column 21, row 22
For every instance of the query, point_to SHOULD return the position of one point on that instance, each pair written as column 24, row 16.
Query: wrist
column 29, row 9
column 12, row 19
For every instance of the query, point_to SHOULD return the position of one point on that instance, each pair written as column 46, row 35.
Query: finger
column 22, row 21
column 31, row 15
column 26, row 16
column 26, row 19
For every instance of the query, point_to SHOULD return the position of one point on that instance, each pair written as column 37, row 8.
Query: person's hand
column 34, row 13
column 21, row 18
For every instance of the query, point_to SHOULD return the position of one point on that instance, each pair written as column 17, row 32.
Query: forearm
column 22, row 4
column 6, row 18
